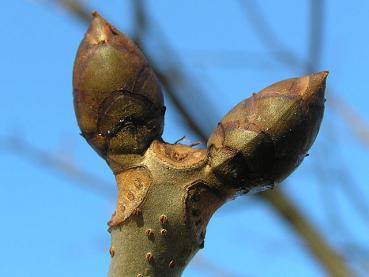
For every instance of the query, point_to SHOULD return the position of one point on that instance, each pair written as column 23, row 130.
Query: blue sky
column 52, row 226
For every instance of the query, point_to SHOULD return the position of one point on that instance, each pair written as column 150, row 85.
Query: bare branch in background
column 352, row 119
column 317, row 13
column 356, row 198
column 76, row 8
column 186, row 116
column 172, row 76
column 316, row 31
column 271, row 41
column 83, row 179
column 268, row 37
column 232, row 59
column 333, row 180
column 336, row 174
column 333, row 263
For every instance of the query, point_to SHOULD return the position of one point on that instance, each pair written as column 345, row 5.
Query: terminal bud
column 117, row 97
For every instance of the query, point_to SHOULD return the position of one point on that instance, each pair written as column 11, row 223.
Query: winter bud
column 265, row 137
column 117, row 97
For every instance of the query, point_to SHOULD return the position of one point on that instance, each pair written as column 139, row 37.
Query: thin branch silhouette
column 316, row 33
column 271, row 41
column 76, row 8
column 353, row 120
column 332, row 262
column 268, row 37
column 83, row 179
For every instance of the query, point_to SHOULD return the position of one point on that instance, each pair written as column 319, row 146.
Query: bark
column 163, row 207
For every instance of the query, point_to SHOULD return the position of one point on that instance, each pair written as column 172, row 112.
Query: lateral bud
column 265, row 137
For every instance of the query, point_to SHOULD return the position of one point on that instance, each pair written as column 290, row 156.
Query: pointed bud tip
column 325, row 73
column 316, row 84
column 322, row 75
column 99, row 31
column 98, row 19
column 319, row 78
column 95, row 14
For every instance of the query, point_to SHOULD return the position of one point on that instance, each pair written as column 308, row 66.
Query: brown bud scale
column 264, row 138
column 117, row 97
